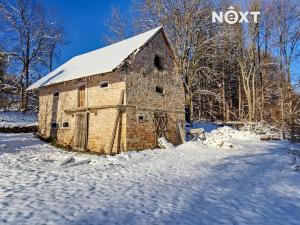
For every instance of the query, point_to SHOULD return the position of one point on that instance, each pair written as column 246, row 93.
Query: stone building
column 118, row 98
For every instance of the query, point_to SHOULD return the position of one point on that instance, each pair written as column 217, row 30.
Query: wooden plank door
column 161, row 124
column 82, row 121
column 81, row 96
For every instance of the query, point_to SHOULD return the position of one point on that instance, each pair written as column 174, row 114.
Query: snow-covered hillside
column 251, row 183
column 17, row 119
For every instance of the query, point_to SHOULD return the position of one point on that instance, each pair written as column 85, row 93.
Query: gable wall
column 141, row 94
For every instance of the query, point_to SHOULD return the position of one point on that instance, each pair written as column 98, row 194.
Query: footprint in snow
column 3, row 146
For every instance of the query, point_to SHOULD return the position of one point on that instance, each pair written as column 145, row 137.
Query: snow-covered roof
column 99, row 61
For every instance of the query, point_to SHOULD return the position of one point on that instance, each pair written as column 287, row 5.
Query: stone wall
column 65, row 107
column 141, row 82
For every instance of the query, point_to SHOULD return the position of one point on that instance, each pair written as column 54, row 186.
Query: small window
column 141, row 118
column 159, row 89
column 54, row 125
column 66, row 124
column 158, row 62
column 56, row 94
column 104, row 84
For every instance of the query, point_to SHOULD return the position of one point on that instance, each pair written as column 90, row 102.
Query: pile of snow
column 226, row 137
column 18, row 119
column 262, row 128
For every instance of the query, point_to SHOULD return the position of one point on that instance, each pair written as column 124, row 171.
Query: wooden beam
column 181, row 132
column 122, row 108
column 82, row 109
column 117, row 118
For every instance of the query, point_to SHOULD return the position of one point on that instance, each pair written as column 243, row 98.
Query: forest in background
column 241, row 72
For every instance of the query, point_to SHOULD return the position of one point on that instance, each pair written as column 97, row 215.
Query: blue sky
column 83, row 21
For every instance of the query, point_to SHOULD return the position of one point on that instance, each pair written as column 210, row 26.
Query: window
column 54, row 125
column 158, row 62
column 159, row 89
column 104, row 84
column 66, row 124
column 81, row 96
column 140, row 118
column 56, row 94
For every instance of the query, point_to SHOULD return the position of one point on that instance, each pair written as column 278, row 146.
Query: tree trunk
column 240, row 99
column 224, row 98
column 51, row 57
column 23, row 93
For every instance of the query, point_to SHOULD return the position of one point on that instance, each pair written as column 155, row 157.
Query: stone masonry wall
column 63, row 109
column 141, row 82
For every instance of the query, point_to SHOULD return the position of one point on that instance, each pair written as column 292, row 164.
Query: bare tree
column 117, row 26
column 287, row 26
column 55, row 39
column 29, row 39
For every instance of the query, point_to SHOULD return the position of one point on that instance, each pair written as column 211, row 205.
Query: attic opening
column 141, row 118
column 104, row 84
column 159, row 89
column 158, row 63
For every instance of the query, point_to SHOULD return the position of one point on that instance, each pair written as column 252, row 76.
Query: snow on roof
column 99, row 61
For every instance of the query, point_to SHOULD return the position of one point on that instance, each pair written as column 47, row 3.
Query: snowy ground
column 251, row 183
column 17, row 119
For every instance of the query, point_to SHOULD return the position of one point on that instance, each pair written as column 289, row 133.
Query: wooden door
column 81, row 96
column 81, row 137
column 161, row 124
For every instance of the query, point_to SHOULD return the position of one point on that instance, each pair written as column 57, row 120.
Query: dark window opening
column 104, row 85
column 158, row 62
column 159, row 89
column 54, row 125
column 81, row 96
column 56, row 94
column 141, row 118
column 65, row 124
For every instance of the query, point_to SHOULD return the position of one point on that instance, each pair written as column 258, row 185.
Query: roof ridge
column 127, row 39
